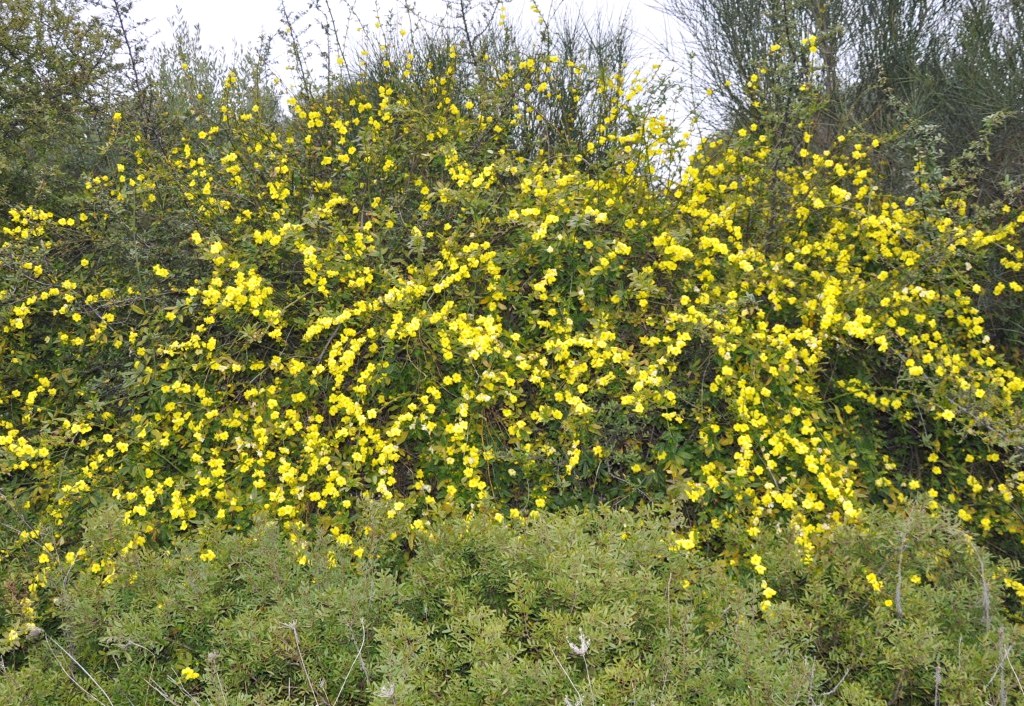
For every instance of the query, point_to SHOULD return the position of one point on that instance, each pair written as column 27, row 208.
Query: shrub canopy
column 407, row 294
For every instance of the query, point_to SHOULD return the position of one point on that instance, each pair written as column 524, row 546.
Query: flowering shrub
column 394, row 298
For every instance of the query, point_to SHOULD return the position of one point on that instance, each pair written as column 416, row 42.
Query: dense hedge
column 579, row 608
column 333, row 409
column 401, row 299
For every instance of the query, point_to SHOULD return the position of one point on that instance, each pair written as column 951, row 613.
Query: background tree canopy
column 949, row 69
column 56, row 90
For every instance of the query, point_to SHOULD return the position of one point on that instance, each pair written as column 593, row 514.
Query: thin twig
column 1013, row 671
column 159, row 689
column 79, row 665
column 839, row 683
column 986, row 599
column 579, row 695
column 181, row 687
column 357, row 658
column 71, row 676
column 294, row 627
column 1004, row 654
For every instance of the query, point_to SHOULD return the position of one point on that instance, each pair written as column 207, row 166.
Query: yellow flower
column 686, row 543
column 755, row 561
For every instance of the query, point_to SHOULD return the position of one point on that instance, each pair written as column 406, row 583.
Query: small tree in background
column 185, row 83
column 58, row 71
column 952, row 69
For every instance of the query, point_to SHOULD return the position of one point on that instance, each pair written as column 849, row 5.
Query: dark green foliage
column 58, row 69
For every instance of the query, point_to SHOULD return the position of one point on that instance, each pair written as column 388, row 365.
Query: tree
column 952, row 69
column 58, row 68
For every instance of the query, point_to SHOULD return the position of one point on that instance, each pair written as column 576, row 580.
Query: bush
column 396, row 300
column 583, row 607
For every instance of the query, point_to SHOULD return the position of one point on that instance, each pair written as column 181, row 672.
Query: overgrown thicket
column 472, row 279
